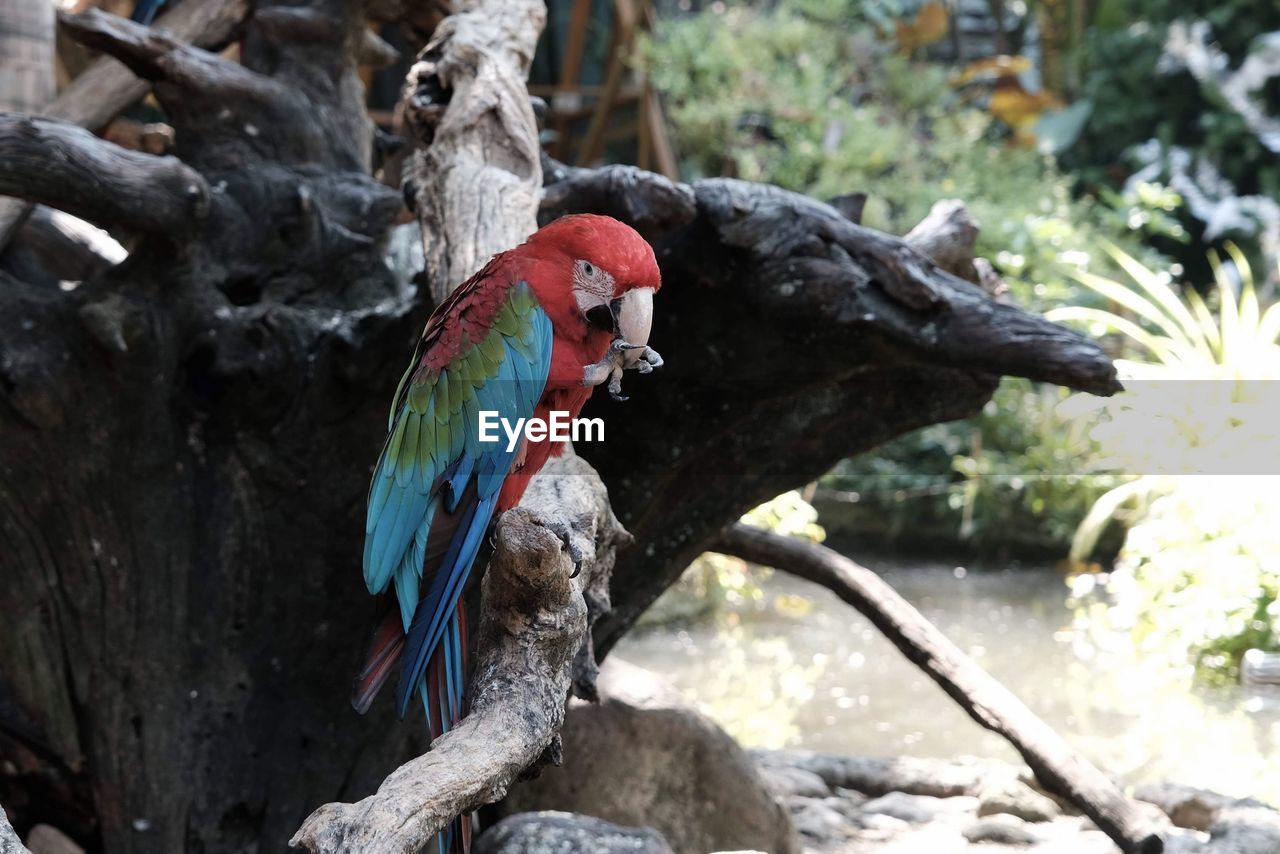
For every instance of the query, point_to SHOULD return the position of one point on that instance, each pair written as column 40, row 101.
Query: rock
column 644, row 757
column 1188, row 806
column 45, row 839
column 880, row 826
column 915, row 809
column 878, row 776
column 562, row 832
column 1179, row 840
column 9, row 842
column 818, row 820
column 784, row 782
column 1001, row 829
column 1245, row 829
column 1011, row 797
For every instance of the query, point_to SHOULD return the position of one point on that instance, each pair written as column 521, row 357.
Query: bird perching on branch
column 528, row 336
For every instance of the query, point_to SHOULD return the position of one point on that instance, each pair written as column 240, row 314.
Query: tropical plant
column 1198, row 578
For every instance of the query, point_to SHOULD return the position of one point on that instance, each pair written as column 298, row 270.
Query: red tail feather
column 382, row 658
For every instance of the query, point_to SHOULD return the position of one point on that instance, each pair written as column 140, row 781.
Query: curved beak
column 633, row 312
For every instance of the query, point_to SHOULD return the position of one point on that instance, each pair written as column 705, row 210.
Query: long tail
column 443, row 692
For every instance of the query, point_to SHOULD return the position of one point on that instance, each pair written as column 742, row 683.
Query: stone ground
column 852, row 805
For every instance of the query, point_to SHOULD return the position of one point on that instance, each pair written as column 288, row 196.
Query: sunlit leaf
column 1136, row 303
column 1058, row 130
column 1159, row 290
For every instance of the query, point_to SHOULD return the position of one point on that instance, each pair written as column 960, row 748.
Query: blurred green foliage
column 1134, row 101
column 811, row 99
column 1014, row 479
column 812, row 96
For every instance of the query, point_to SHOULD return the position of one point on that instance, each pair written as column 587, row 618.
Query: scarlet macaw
column 531, row 333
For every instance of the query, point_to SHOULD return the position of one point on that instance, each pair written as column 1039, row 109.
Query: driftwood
column 1059, row 769
column 475, row 183
column 534, row 621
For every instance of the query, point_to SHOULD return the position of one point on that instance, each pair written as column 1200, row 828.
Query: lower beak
column 633, row 312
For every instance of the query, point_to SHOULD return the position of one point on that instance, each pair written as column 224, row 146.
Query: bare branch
column 376, row 51
column 535, row 619
column 59, row 247
column 68, row 168
column 477, row 181
column 107, row 87
column 947, row 235
column 1058, row 768
column 155, row 55
column 796, row 258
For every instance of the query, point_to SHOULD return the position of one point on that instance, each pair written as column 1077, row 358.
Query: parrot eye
column 588, row 269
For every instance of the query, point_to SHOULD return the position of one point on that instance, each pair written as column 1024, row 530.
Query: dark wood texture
column 185, row 443
column 66, row 167
column 1059, row 769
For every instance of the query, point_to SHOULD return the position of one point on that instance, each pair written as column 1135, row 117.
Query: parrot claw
column 561, row 529
column 615, row 386
column 610, row 368
column 648, row 360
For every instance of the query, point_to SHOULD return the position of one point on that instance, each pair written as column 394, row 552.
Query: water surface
column 805, row 670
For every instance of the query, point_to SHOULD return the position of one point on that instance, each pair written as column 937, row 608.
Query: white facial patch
column 592, row 286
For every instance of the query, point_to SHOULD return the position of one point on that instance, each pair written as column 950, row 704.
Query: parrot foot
column 561, row 529
column 648, row 360
column 610, row 368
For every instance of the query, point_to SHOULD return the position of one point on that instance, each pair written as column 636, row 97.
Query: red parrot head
column 611, row 274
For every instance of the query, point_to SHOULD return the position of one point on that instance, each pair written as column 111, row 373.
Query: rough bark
column 534, row 619
column 9, row 841
column 1059, row 769
column 184, row 461
column 68, row 168
column 475, row 183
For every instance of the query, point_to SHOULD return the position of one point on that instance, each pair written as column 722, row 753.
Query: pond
column 807, row 671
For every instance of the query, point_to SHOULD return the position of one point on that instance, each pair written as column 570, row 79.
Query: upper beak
column 633, row 313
